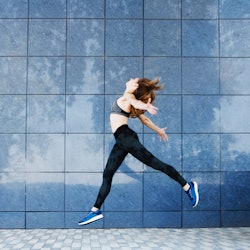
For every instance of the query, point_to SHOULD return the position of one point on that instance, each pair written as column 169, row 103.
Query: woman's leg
column 129, row 142
column 116, row 158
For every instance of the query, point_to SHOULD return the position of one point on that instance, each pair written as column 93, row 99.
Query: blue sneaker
column 193, row 193
column 91, row 217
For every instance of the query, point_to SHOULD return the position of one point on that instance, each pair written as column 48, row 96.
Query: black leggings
column 127, row 141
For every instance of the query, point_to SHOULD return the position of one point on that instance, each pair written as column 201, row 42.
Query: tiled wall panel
column 63, row 62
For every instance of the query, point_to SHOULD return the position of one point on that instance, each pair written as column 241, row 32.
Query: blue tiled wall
column 63, row 62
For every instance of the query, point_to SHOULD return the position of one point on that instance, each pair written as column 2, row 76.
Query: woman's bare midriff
column 117, row 121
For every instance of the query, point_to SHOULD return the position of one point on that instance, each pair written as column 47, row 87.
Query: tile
column 238, row 106
column 45, row 153
column 235, row 218
column 201, row 152
column 126, row 193
column 44, row 220
column 47, row 9
column 162, row 219
column 84, row 108
column 235, row 191
column 124, row 9
column 162, row 38
column 169, row 71
column 130, row 164
column 200, row 38
column 12, row 192
column 13, row 37
column 13, row 9
column 132, row 238
column 168, row 115
column 13, row 112
column 124, row 38
column 12, row 153
column 238, row 33
column 122, row 219
column 47, row 37
column 12, row 220
column 46, row 75
column 13, row 75
column 162, row 9
column 119, row 70
column 201, row 219
column 235, row 152
column 85, row 37
column 234, row 75
column 200, row 9
column 169, row 152
column 234, row 9
column 158, row 186
column 201, row 114
column 84, row 153
column 45, row 113
column 85, row 75
column 85, row 9
column 81, row 190
column 45, row 192
column 209, row 185
column 200, row 76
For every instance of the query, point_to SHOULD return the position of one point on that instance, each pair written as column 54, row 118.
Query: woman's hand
column 162, row 134
column 132, row 85
column 151, row 108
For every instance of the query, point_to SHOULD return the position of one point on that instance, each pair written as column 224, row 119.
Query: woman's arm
column 139, row 104
column 160, row 131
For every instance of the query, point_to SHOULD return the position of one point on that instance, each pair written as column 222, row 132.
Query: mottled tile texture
column 62, row 63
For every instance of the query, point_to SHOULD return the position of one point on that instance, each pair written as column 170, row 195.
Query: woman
column 137, row 98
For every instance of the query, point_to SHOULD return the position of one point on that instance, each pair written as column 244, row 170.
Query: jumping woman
column 135, row 101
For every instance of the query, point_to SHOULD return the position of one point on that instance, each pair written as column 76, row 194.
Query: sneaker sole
column 98, row 217
column 196, row 193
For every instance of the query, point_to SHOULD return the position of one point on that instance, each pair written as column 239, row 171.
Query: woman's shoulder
column 128, row 96
column 122, row 99
column 124, row 103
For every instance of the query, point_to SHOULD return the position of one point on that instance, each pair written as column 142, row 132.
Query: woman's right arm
column 140, row 105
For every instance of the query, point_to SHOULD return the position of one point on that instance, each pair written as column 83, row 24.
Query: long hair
column 145, row 91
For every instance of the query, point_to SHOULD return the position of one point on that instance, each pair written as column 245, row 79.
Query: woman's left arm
column 160, row 131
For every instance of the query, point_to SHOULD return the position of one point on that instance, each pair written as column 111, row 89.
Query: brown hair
column 145, row 91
